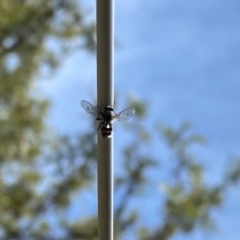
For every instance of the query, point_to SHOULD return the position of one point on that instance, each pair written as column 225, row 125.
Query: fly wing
column 125, row 114
column 89, row 108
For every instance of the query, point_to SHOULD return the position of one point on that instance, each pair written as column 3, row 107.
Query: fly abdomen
column 106, row 130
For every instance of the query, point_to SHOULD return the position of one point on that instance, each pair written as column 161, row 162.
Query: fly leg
column 100, row 124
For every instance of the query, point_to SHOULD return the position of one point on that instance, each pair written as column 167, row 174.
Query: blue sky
column 183, row 58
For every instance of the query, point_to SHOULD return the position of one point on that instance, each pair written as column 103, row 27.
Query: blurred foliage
column 189, row 198
column 42, row 174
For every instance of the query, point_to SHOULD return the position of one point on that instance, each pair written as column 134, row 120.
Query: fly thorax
column 109, row 114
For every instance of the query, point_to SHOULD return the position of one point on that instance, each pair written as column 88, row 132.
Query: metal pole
column 105, row 96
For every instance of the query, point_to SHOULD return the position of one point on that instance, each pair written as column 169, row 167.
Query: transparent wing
column 125, row 114
column 89, row 108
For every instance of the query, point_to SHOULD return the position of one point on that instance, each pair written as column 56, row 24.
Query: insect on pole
column 105, row 113
column 105, row 97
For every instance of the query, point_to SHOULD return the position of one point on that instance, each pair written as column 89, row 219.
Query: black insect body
column 107, row 116
column 106, row 130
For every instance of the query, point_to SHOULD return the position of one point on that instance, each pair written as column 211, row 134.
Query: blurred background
column 177, row 162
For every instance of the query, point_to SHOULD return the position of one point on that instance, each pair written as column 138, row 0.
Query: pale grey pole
column 105, row 96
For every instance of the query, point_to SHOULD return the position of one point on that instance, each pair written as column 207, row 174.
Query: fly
column 107, row 117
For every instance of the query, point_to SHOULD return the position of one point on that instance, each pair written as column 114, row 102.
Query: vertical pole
column 105, row 96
